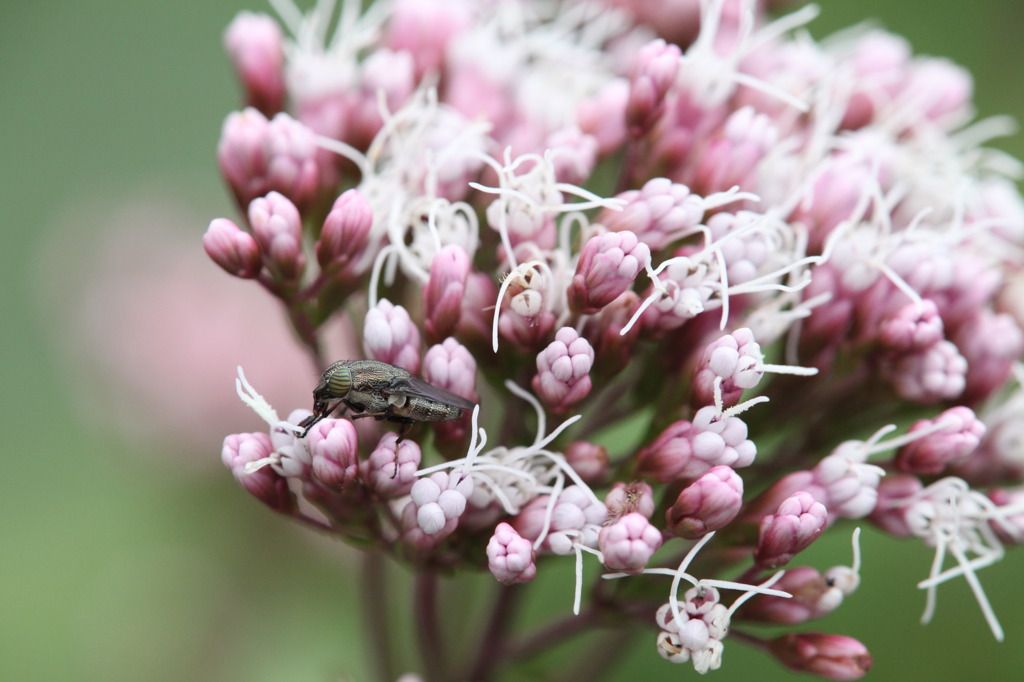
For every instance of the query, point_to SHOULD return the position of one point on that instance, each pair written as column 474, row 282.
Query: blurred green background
column 127, row 552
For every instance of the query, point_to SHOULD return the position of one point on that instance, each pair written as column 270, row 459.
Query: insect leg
column 320, row 412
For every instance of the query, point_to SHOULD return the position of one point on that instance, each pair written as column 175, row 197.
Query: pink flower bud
column 233, row 249
column 707, row 504
column 677, row 21
column 734, row 358
column 931, row 454
column 256, row 156
column 879, row 61
column 998, row 457
column 332, row 444
column 384, row 72
column 968, row 295
column 1008, row 525
column 689, row 449
column 798, row 522
column 264, row 484
column 242, row 154
column 652, row 75
column 415, row 524
column 389, row 335
column 657, row 213
column 627, row 498
column 941, row 89
column 292, row 165
column 834, row 657
column 525, row 322
column 474, row 92
column 430, row 518
column 607, row 266
column 439, row 499
column 750, row 254
column 510, row 556
column 835, row 195
column 573, row 154
column 345, row 232
column 391, row 72
column 768, row 501
column 327, row 112
column 732, row 157
column 576, row 517
column 588, row 460
column 568, row 514
column 814, row 595
column 894, row 493
column 277, row 226
column 603, row 116
column 929, row 375
column 443, row 295
column 629, row 543
column 425, row 29
column 845, row 483
column 991, row 343
column 390, row 470
column 669, row 455
column 913, row 327
column 451, row 366
column 477, row 311
column 720, row 440
column 563, row 371
column 529, row 522
column 256, row 48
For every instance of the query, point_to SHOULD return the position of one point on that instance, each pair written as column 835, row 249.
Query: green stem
column 491, row 649
column 375, row 610
column 603, row 656
column 304, row 327
column 750, row 640
column 428, row 626
column 552, row 635
column 307, row 332
column 628, row 168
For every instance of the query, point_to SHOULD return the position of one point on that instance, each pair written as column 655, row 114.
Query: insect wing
column 417, row 388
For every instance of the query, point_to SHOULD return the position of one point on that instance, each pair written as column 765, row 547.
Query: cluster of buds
column 429, row 173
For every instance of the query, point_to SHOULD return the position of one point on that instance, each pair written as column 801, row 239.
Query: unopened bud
column 798, row 523
column 233, row 249
column 707, row 504
column 345, row 232
column 834, row 657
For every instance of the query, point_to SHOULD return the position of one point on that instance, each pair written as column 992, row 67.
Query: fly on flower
column 371, row 388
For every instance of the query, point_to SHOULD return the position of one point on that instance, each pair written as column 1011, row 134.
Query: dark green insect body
column 371, row 388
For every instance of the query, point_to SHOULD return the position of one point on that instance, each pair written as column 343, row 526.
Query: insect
column 376, row 389
column 630, row 502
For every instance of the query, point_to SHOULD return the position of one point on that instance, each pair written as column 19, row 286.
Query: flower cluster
column 746, row 251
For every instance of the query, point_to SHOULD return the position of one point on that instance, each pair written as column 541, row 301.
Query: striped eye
column 339, row 383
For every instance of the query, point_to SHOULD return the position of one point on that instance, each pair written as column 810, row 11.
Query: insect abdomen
column 423, row 410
